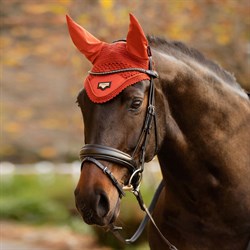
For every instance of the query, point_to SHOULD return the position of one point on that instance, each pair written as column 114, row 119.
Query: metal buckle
column 151, row 109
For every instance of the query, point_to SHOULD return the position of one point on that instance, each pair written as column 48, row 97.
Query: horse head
column 114, row 108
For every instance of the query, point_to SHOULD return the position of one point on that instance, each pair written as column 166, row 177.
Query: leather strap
column 107, row 172
column 145, row 220
column 101, row 152
column 149, row 72
column 148, row 216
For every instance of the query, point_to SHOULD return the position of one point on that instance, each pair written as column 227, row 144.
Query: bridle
column 95, row 152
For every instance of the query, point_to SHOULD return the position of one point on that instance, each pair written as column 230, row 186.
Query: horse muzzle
column 95, row 207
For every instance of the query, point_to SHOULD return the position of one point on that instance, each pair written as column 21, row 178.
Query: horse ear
column 87, row 44
column 137, row 43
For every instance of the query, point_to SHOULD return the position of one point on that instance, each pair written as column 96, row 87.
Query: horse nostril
column 102, row 206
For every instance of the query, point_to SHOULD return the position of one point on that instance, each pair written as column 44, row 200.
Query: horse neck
column 202, row 115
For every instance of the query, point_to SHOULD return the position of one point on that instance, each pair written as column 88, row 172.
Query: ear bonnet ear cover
column 107, row 57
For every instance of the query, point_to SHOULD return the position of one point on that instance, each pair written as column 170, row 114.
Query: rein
column 94, row 152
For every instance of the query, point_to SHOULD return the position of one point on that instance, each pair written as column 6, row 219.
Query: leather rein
column 94, row 152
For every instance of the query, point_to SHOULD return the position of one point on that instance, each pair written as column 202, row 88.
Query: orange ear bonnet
column 105, row 57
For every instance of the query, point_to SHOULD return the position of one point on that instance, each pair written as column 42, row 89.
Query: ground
column 26, row 237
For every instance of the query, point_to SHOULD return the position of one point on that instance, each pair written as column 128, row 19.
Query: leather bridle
column 94, row 153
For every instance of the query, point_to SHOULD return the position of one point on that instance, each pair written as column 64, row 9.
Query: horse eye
column 136, row 104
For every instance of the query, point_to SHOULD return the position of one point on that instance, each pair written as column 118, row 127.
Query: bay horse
column 199, row 129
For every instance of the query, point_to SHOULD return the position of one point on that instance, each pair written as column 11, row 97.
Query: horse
column 199, row 130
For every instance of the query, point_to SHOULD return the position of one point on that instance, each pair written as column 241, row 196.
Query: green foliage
column 36, row 199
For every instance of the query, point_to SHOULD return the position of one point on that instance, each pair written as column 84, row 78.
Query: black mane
column 179, row 49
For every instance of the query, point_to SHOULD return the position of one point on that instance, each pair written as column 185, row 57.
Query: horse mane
column 180, row 50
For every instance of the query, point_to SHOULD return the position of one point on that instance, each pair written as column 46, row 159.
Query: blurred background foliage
column 41, row 71
column 47, row 199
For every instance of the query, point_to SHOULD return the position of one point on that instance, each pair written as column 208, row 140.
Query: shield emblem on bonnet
column 104, row 85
